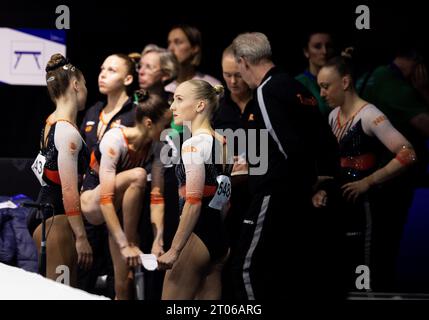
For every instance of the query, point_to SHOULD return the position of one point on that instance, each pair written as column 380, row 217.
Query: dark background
column 99, row 29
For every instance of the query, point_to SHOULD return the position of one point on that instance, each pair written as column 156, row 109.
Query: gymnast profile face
column 184, row 106
column 155, row 129
column 333, row 87
column 114, row 75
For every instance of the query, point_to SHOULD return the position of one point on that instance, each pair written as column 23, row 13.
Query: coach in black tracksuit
column 287, row 248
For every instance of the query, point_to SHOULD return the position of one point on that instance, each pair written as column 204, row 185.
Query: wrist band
column 72, row 213
column 406, row 155
column 106, row 199
column 193, row 200
column 156, row 199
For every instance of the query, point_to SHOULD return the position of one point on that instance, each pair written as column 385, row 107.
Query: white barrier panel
column 18, row 284
column 25, row 52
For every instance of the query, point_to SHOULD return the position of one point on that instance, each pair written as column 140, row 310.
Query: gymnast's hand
column 167, row 260
column 319, row 199
column 131, row 254
column 84, row 253
column 240, row 165
column 352, row 190
column 158, row 247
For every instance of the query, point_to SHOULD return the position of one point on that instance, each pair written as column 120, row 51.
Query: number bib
column 223, row 193
column 38, row 166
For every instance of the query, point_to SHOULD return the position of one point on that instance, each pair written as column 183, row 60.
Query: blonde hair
column 205, row 91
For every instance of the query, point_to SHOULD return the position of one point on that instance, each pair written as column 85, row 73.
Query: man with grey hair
column 253, row 49
column 281, row 219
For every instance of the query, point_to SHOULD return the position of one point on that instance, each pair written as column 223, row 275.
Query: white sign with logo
column 24, row 54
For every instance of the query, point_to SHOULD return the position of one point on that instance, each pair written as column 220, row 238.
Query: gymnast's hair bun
column 141, row 95
column 219, row 90
column 57, row 60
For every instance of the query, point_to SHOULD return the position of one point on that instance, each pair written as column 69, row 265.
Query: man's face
column 244, row 70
